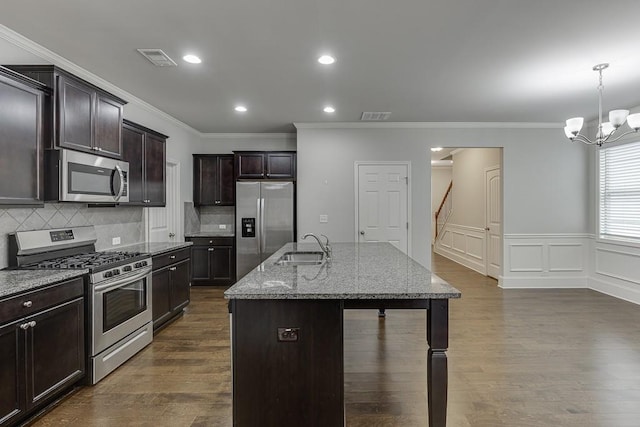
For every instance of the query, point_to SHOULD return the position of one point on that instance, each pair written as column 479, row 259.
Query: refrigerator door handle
column 263, row 238
column 258, row 225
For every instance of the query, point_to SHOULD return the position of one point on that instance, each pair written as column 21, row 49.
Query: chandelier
column 607, row 132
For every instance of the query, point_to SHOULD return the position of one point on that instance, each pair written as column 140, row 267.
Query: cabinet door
column 55, row 350
column 180, row 281
column 205, row 172
column 12, row 373
column 200, row 264
column 250, row 165
column 222, row 265
column 161, row 296
column 133, row 152
column 281, row 165
column 108, row 119
column 75, row 114
column 21, row 177
column 226, row 181
column 155, row 169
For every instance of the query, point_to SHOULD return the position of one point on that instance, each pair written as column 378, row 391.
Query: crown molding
column 250, row 136
column 55, row 59
column 428, row 125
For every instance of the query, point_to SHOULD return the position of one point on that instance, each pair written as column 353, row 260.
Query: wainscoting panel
column 616, row 270
column 545, row 261
column 464, row 245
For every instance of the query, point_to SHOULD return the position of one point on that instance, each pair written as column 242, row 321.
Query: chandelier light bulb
column 607, row 129
column 633, row 120
column 568, row 133
column 575, row 125
column 617, row 117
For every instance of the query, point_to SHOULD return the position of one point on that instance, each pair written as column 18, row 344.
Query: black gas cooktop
column 94, row 261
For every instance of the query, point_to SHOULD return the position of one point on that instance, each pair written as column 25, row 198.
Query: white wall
column 545, row 178
column 226, row 143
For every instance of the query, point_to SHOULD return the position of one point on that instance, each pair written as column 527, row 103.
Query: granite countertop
column 19, row 281
column 215, row 233
column 154, row 248
column 357, row 271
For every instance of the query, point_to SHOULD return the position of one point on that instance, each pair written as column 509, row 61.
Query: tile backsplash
column 123, row 221
column 207, row 218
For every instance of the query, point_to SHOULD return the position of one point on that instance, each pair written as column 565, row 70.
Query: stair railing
column 443, row 212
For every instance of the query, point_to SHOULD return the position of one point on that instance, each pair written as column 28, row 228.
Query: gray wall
column 545, row 178
column 469, row 166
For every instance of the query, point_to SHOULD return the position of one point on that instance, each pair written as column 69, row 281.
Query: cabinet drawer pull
column 211, row 249
column 27, row 304
column 24, row 326
column 172, row 268
column 172, row 257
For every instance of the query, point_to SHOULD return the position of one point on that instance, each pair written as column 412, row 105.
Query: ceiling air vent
column 157, row 57
column 375, row 115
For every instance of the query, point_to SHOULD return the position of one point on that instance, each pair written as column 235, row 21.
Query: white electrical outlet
column 222, row 226
column 324, row 218
column 115, row 241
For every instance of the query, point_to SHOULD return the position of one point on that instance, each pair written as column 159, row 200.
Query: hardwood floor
column 517, row 358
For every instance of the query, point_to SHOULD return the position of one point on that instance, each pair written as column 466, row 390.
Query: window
column 620, row 191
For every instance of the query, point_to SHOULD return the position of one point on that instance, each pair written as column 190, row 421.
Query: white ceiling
column 423, row 60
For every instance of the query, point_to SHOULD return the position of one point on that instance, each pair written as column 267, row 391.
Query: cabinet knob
column 210, row 241
column 27, row 304
column 32, row 323
column 211, row 249
column 172, row 268
column 172, row 257
column 24, row 326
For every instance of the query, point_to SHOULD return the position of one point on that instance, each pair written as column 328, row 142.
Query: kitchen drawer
column 172, row 257
column 211, row 241
column 16, row 307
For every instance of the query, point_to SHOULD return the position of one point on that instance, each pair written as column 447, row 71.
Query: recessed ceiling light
column 192, row 59
column 241, row 109
column 435, row 149
column 326, row 59
column 329, row 109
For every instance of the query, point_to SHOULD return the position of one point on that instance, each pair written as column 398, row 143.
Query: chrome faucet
column 326, row 247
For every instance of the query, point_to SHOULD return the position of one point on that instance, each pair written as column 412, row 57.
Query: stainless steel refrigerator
column 264, row 221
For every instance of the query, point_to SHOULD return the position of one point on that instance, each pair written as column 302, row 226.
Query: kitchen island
column 287, row 326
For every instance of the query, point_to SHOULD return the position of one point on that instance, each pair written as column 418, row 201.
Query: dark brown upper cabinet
column 22, row 103
column 265, row 164
column 145, row 150
column 213, row 180
column 82, row 116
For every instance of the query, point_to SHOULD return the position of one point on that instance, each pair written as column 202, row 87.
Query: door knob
column 362, row 232
column 487, row 229
column 172, row 234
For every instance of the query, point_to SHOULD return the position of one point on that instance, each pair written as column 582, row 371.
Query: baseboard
column 628, row 292
column 460, row 259
column 548, row 282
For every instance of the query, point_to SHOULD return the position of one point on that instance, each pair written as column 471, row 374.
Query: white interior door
column 493, row 223
column 163, row 224
column 382, row 205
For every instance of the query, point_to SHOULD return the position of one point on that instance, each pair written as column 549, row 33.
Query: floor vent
column 375, row 115
column 157, row 57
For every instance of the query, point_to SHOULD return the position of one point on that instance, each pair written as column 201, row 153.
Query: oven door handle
column 125, row 280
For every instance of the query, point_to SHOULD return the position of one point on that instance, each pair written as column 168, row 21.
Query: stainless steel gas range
column 118, row 290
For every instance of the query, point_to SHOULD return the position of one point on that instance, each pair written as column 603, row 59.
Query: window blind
column 620, row 191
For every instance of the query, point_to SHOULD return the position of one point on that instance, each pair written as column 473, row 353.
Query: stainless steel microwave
column 74, row 176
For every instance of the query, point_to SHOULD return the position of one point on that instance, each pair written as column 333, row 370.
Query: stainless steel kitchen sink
column 301, row 258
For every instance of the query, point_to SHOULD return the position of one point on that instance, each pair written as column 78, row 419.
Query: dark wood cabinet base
column 292, row 378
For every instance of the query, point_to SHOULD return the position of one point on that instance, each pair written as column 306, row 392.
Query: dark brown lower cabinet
column 213, row 261
column 287, row 380
column 42, row 353
column 171, row 283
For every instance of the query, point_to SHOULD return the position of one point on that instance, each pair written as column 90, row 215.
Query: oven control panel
column 115, row 272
